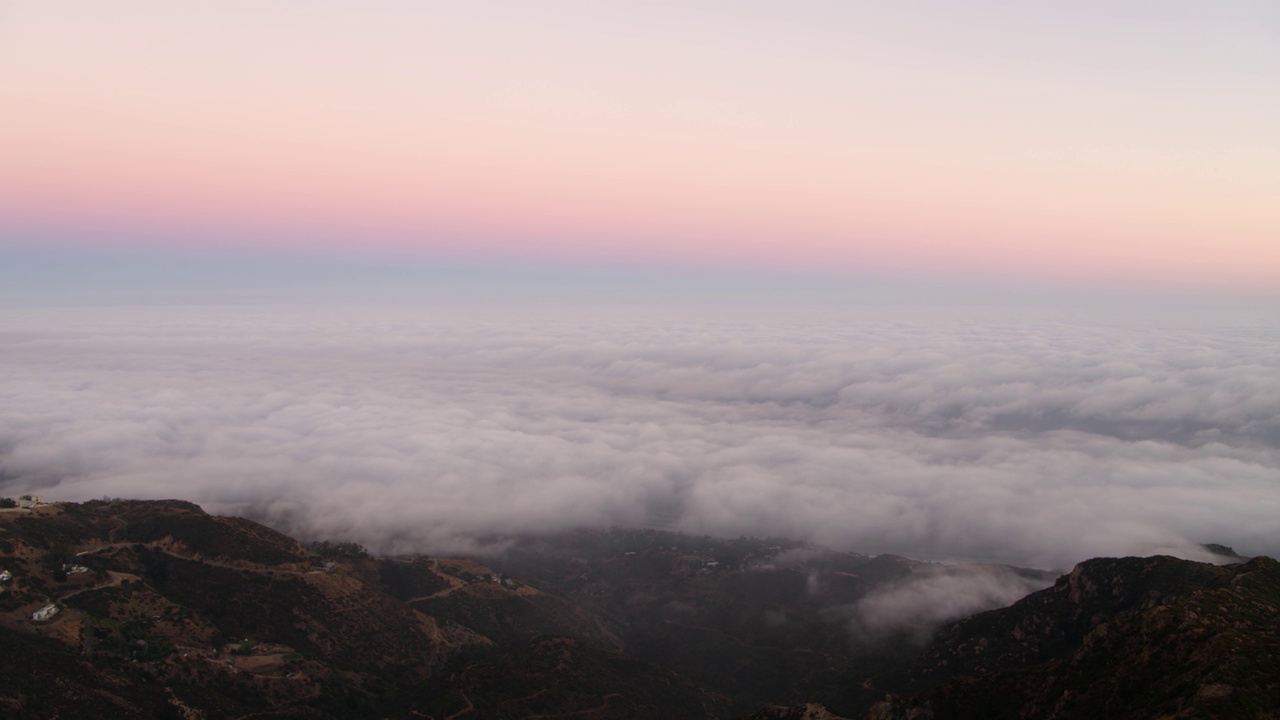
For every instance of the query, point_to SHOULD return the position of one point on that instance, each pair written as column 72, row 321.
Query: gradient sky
column 1103, row 144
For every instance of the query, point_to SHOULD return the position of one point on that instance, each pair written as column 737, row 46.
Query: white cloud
column 1024, row 438
column 935, row 594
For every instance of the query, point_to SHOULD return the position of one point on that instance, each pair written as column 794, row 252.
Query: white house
column 5, row 576
column 45, row 612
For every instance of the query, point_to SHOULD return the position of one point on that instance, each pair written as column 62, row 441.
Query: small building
column 29, row 501
column 5, row 576
column 45, row 612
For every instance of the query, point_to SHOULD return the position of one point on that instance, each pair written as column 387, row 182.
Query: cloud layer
column 1033, row 438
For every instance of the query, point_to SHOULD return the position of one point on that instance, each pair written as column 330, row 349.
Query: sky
column 979, row 280
column 275, row 151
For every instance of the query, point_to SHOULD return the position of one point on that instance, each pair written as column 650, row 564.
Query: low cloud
column 938, row 594
column 1033, row 439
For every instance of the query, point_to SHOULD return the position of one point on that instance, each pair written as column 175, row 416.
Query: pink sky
column 1108, row 142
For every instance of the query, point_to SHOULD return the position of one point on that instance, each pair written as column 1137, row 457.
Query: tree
column 345, row 550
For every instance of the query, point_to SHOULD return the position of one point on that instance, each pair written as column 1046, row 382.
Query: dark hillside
column 1052, row 621
column 131, row 609
column 1158, row 637
column 559, row 677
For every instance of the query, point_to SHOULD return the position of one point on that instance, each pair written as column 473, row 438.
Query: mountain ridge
column 163, row 610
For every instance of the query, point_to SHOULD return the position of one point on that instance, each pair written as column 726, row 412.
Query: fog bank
column 1034, row 438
